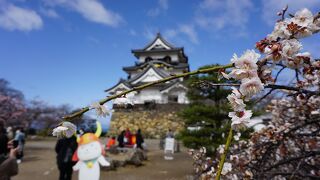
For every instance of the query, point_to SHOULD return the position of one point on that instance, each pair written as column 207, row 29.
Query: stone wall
column 154, row 121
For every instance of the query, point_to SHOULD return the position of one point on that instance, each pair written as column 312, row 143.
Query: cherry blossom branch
column 207, row 83
column 275, row 86
column 224, row 155
column 285, row 161
column 271, row 86
column 276, row 78
column 284, row 10
column 264, row 96
column 103, row 101
column 271, row 145
column 271, row 90
column 223, row 84
column 297, row 75
column 289, row 174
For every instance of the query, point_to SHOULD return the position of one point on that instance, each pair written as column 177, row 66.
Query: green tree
column 206, row 118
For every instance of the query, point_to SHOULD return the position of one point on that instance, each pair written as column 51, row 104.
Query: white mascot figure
column 89, row 155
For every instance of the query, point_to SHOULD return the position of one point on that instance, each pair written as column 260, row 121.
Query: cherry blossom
column 247, row 61
column 66, row 129
column 240, row 119
column 58, row 131
column 227, row 167
column 245, row 65
column 290, row 48
column 280, row 31
column 101, row 110
column 290, row 141
column 303, row 18
column 237, row 136
column 236, row 101
column 250, row 87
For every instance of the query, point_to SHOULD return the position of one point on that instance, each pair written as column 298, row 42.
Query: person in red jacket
column 127, row 136
column 111, row 142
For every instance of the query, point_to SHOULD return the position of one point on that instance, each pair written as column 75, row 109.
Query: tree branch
column 283, row 67
column 274, row 86
column 103, row 101
column 285, row 161
column 271, row 90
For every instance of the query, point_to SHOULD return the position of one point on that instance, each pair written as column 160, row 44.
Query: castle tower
column 154, row 108
column 156, row 61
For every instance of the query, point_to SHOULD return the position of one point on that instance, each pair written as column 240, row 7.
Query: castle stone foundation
column 154, row 121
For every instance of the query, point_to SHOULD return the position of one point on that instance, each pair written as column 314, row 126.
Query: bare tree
column 12, row 106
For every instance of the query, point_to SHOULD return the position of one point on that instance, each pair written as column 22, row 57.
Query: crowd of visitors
column 127, row 139
column 66, row 147
column 12, row 147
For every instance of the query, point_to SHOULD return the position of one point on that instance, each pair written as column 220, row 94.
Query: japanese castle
column 158, row 60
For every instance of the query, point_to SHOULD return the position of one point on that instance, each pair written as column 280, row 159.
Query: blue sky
column 69, row 51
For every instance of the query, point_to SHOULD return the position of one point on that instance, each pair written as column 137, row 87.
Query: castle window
column 167, row 59
column 148, row 59
column 150, row 104
column 173, row 99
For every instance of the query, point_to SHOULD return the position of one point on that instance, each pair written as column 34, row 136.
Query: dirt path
column 40, row 164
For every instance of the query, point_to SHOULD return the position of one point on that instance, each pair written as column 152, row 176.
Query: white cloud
column 216, row 14
column 187, row 30
column 190, row 33
column 171, row 33
column 92, row 10
column 16, row 18
column 162, row 7
column 271, row 7
column 49, row 13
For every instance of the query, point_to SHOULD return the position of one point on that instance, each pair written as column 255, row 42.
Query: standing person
column 10, row 133
column 128, row 137
column 121, row 139
column 169, row 134
column 20, row 138
column 139, row 139
column 65, row 149
column 3, row 140
column 111, row 142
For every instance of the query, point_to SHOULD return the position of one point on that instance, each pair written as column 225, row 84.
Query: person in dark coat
column 139, row 139
column 121, row 139
column 3, row 140
column 65, row 149
column 8, row 164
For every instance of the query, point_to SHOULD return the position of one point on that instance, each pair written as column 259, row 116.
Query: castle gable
column 122, row 85
column 158, row 43
column 175, row 85
column 149, row 75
